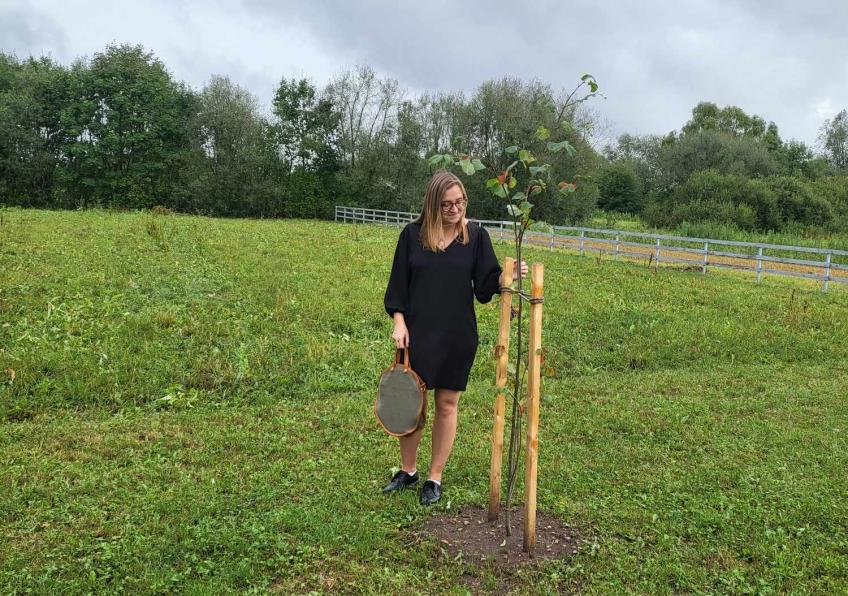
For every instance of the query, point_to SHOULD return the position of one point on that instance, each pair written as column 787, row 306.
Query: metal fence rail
column 821, row 264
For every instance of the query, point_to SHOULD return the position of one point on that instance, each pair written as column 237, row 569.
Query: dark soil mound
column 482, row 541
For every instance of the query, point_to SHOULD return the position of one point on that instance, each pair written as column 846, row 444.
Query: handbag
column 401, row 404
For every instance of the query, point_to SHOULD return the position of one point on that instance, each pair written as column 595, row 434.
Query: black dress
column 435, row 292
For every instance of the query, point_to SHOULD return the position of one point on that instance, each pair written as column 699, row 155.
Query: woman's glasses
column 447, row 205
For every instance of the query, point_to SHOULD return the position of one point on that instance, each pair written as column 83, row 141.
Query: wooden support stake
column 502, row 358
column 534, row 367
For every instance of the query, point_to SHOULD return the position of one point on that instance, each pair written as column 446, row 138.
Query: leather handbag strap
column 405, row 358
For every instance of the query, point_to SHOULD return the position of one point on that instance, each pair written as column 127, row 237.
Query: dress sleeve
column 396, row 298
column 487, row 270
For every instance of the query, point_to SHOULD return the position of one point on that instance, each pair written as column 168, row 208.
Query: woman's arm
column 487, row 270
column 396, row 299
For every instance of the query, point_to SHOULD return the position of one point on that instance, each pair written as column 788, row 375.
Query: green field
column 186, row 406
column 811, row 237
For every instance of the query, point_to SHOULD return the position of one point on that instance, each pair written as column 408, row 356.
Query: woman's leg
column 409, row 450
column 444, row 431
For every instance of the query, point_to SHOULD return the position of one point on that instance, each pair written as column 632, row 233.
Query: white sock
column 412, row 473
column 439, row 482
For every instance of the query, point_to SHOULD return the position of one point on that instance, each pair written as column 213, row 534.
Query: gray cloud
column 31, row 33
column 786, row 61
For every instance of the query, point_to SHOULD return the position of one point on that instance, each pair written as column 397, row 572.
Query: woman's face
column 452, row 205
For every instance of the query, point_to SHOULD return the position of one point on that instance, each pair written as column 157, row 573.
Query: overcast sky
column 785, row 60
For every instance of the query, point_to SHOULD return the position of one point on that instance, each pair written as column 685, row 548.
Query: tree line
column 117, row 130
column 728, row 167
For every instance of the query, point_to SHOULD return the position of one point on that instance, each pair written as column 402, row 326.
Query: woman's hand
column 400, row 334
column 524, row 270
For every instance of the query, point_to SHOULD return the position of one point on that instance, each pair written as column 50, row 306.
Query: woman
column 442, row 261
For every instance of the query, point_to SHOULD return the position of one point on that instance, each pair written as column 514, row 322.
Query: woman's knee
column 446, row 402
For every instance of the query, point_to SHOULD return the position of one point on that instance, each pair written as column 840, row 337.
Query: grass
column 794, row 236
column 191, row 411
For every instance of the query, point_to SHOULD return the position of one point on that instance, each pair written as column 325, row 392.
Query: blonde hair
column 431, row 212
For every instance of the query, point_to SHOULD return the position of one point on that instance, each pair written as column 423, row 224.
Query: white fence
column 822, row 264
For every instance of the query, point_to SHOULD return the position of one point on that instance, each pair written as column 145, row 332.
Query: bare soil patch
column 483, row 542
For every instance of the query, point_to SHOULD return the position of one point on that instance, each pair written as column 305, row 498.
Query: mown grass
column 191, row 411
column 796, row 235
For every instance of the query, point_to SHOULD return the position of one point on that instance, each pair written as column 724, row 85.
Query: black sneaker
column 431, row 492
column 400, row 481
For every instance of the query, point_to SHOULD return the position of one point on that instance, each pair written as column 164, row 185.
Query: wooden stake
column 502, row 358
column 534, row 363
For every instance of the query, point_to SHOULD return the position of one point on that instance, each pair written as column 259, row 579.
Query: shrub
column 620, row 187
column 797, row 202
column 306, row 196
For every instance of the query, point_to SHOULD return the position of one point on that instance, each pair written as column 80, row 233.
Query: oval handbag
column 401, row 404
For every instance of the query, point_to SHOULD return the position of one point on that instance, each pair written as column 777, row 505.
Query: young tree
column 528, row 175
column 305, row 123
column 833, row 137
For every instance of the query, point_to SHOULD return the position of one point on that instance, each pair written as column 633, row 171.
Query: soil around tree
column 482, row 542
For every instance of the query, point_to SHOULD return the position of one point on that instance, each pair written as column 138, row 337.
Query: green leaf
column 435, row 159
column 593, row 86
column 513, row 210
column 535, row 170
column 478, row 165
column 491, row 182
column 526, row 157
column 566, row 187
column 543, row 133
column 467, row 166
column 511, row 149
column 512, row 182
column 557, row 147
column 518, row 197
column 498, row 191
column 586, row 76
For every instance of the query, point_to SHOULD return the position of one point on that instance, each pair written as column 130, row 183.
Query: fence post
column 552, row 238
column 759, row 264
column 582, row 234
column 657, row 259
column 502, row 231
column 706, row 253
column 616, row 247
column 826, row 272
